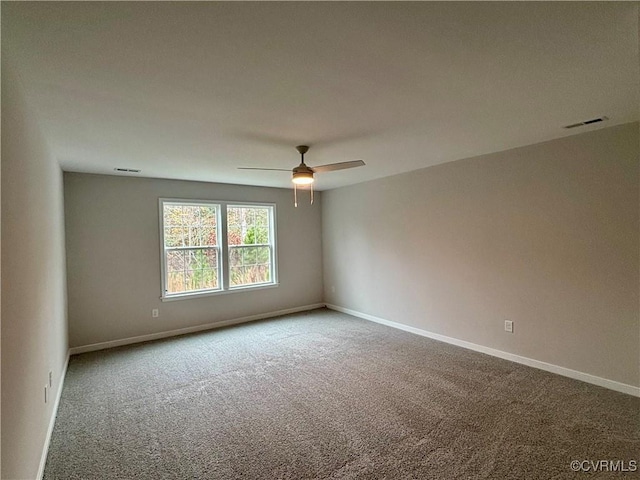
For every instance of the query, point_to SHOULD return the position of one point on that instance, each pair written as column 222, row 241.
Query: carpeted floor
column 325, row 395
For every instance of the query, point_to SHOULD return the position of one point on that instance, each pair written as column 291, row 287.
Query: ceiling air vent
column 587, row 122
column 129, row 170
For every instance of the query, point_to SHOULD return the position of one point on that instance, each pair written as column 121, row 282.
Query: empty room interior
column 309, row 240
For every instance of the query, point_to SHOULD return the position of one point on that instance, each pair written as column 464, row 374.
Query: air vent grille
column 587, row 122
column 129, row 170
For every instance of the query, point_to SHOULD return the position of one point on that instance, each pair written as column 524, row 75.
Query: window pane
column 189, row 270
column 259, row 235
column 234, row 235
column 249, row 256
column 201, row 258
column 208, row 216
column 175, row 261
column 194, row 215
column 248, row 225
column 249, row 216
column 262, row 217
column 209, row 236
column 201, row 279
column 263, row 273
column 232, row 216
column 195, row 236
column 189, row 225
column 175, row 282
column 174, row 237
column 248, row 275
column 193, row 280
column 249, row 265
column 172, row 215
column 235, row 257
column 237, row 276
column 263, row 255
column 209, row 278
column 211, row 259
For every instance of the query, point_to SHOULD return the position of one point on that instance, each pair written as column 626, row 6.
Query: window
column 214, row 247
column 250, row 245
column 191, row 250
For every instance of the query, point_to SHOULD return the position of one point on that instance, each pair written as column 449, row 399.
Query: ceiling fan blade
column 338, row 166
column 256, row 168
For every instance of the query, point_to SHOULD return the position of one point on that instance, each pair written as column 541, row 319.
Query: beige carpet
column 325, row 395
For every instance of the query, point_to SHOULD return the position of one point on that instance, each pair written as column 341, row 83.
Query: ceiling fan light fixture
column 302, row 175
column 302, row 178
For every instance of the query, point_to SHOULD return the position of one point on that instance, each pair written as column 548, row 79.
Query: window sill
column 247, row 288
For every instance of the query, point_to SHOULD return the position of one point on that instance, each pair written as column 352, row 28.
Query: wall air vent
column 128, row 170
column 587, row 122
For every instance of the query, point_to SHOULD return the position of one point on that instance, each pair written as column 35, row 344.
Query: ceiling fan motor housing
column 302, row 174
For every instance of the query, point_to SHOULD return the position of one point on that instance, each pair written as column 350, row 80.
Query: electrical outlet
column 508, row 326
column 333, row 289
column 50, row 379
column 155, row 313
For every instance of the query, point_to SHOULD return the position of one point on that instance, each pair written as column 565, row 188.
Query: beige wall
column 34, row 332
column 545, row 235
column 113, row 257
column 0, row 301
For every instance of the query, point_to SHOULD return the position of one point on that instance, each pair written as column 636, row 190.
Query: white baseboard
column 182, row 331
column 567, row 372
column 52, row 421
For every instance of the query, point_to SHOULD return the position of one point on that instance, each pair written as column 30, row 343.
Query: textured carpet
column 325, row 395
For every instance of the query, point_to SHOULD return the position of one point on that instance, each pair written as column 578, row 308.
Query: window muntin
column 250, row 240
column 191, row 247
column 214, row 247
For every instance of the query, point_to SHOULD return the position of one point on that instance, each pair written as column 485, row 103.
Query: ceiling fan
column 303, row 174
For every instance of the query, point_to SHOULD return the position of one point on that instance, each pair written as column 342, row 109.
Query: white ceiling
column 194, row 90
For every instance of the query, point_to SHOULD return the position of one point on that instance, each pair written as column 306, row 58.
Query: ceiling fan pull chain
column 312, row 194
column 295, row 195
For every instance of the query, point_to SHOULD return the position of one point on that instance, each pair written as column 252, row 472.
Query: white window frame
column 222, row 249
column 271, row 244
